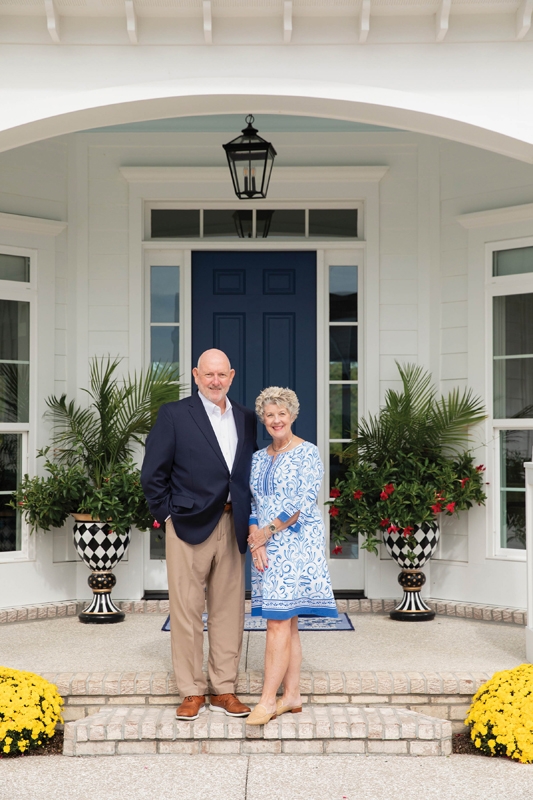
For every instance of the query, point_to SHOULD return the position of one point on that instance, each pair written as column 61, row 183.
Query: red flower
column 436, row 508
column 393, row 529
column 407, row 531
column 480, row 468
column 450, row 507
column 463, row 481
column 384, row 496
column 384, row 522
column 336, row 550
column 389, row 488
column 21, row 503
column 335, row 492
column 334, row 511
column 357, row 495
column 156, row 524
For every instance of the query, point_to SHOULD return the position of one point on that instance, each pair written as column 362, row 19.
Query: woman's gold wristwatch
column 272, row 528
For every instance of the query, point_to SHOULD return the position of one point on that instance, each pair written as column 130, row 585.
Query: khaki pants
column 217, row 565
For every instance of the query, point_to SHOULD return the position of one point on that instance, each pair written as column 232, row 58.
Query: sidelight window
column 14, row 392
column 343, row 373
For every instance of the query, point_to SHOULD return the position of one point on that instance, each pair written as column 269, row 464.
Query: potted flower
column 407, row 466
column 92, row 474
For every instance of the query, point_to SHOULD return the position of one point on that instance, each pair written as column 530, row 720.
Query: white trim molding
column 16, row 222
column 496, row 216
column 279, row 175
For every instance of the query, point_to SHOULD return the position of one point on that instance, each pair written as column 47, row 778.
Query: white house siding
column 425, row 310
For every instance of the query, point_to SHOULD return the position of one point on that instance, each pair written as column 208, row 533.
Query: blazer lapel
column 199, row 414
column 238, row 416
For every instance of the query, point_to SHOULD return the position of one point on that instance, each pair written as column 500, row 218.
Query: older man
column 195, row 477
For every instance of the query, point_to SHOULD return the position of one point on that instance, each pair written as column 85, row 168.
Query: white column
column 529, row 549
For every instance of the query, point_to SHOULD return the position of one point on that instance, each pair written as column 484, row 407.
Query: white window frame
column 24, row 292
column 500, row 286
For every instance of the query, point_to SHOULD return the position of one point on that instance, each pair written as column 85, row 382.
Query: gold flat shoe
column 260, row 716
column 281, row 709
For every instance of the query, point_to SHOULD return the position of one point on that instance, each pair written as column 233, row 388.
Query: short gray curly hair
column 280, row 397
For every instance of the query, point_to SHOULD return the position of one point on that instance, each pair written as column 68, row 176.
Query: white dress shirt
column 223, row 425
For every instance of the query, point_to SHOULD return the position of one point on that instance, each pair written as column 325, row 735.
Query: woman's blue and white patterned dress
column 296, row 580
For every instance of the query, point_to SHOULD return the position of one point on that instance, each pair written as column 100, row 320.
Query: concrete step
column 318, row 730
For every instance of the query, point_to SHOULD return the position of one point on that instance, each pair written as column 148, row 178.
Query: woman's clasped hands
column 256, row 541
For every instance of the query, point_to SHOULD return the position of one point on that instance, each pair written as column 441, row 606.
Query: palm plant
column 409, row 463
column 121, row 413
column 414, row 421
column 93, row 470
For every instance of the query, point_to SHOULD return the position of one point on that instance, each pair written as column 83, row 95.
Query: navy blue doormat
column 340, row 623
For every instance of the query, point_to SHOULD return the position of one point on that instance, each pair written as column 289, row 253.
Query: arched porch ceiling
column 429, row 115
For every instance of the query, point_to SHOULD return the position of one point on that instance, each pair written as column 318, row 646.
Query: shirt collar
column 211, row 408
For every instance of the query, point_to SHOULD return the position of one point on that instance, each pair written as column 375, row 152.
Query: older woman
column 289, row 574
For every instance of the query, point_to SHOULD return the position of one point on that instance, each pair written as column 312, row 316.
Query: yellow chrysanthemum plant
column 501, row 715
column 30, row 708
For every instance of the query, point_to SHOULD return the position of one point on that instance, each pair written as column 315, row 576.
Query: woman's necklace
column 284, row 446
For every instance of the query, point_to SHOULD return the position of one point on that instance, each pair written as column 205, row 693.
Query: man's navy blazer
column 185, row 475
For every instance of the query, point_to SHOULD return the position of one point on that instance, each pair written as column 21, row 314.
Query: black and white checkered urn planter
column 101, row 549
column 412, row 607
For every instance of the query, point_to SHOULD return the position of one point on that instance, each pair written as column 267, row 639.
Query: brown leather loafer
column 229, row 704
column 192, row 707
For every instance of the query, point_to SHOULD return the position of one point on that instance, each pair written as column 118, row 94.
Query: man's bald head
column 213, row 355
column 213, row 375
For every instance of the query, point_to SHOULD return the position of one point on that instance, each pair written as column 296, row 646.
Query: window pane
column 513, row 388
column 10, row 473
column 223, row 223
column 343, row 294
column 512, row 262
column 338, row 464
column 513, row 325
column 333, row 222
column 342, row 410
column 515, row 449
column 513, row 351
column 263, row 221
column 283, row 222
column 172, row 223
column 157, row 544
column 164, row 294
column 165, row 345
column 14, row 392
column 14, row 331
column 513, row 520
column 343, row 353
column 350, row 547
column 14, row 268
column 14, row 360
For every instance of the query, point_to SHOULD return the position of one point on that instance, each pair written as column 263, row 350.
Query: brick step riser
column 323, row 731
column 451, row 708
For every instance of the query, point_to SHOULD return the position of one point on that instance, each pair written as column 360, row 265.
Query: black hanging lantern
column 250, row 160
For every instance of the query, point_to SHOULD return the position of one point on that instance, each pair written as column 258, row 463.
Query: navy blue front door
column 260, row 309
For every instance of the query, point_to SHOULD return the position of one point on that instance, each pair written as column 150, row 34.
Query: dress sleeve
column 253, row 514
column 301, row 491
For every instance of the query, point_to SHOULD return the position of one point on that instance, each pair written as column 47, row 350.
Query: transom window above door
column 253, row 223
